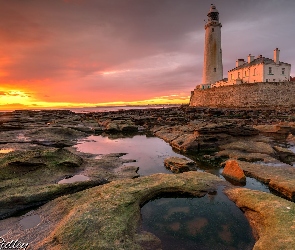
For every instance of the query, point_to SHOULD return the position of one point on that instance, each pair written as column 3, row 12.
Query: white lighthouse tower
column 213, row 69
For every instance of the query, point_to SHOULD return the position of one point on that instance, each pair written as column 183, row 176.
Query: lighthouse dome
column 213, row 8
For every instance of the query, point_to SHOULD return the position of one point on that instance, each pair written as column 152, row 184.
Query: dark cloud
column 67, row 44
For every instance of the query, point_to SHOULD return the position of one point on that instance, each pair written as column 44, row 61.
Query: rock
column 279, row 178
column 178, row 165
column 233, row 171
column 116, row 126
column 228, row 128
column 107, row 217
column 285, row 154
column 167, row 134
column 58, row 137
column 128, row 172
column 185, row 142
column 245, row 156
column 267, row 128
column 29, row 178
column 291, row 138
column 271, row 217
column 148, row 241
column 250, row 146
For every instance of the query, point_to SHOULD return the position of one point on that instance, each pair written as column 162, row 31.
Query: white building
column 261, row 69
column 253, row 70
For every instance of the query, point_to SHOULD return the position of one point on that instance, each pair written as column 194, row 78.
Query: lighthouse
column 213, row 69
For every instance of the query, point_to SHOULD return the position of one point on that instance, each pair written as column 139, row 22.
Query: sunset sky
column 67, row 53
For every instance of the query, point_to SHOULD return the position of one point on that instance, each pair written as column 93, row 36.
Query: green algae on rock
column 28, row 178
column 272, row 217
column 107, row 217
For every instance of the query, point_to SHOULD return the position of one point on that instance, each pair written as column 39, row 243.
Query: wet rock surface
column 36, row 152
column 233, row 171
column 40, row 155
column 279, row 178
column 107, row 217
column 271, row 217
column 179, row 165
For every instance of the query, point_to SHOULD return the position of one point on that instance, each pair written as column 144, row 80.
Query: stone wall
column 250, row 95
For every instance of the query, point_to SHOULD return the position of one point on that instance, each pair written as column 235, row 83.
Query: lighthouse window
column 214, row 69
column 212, row 29
column 214, row 16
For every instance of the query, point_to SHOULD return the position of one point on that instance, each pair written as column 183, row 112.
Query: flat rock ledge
column 271, row 217
column 279, row 178
column 108, row 216
column 178, row 164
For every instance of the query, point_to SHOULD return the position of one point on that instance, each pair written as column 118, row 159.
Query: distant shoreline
column 101, row 108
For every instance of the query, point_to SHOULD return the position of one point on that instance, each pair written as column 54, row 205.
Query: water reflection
column 3, row 232
column 30, row 221
column 251, row 183
column 210, row 222
column 6, row 150
column 75, row 178
column 149, row 152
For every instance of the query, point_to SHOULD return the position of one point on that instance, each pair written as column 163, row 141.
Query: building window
column 254, row 80
column 245, row 73
column 283, row 71
column 270, row 70
column 254, row 73
column 274, row 80
column 266, row 80
column 231, row 76
column 212, row 29
column 214, row 69
column 239, row 74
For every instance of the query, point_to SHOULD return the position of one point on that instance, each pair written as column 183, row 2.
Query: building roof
column 257, row 61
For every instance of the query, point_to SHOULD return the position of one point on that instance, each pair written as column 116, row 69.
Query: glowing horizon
column 17, row 99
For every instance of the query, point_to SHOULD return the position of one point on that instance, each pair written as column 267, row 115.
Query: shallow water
column 211, row 222
column 3, row 232
column 30, row 221
column 75, row 178
column 149, row 152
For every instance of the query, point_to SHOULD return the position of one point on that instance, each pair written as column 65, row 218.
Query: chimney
column 250, row 58
column 276, row 56
column 240, row 62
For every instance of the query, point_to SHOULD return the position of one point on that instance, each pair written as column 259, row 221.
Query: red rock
column 233, row 171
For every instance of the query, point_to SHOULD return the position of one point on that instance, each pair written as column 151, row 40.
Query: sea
column 117, row 108
column 104, row 108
